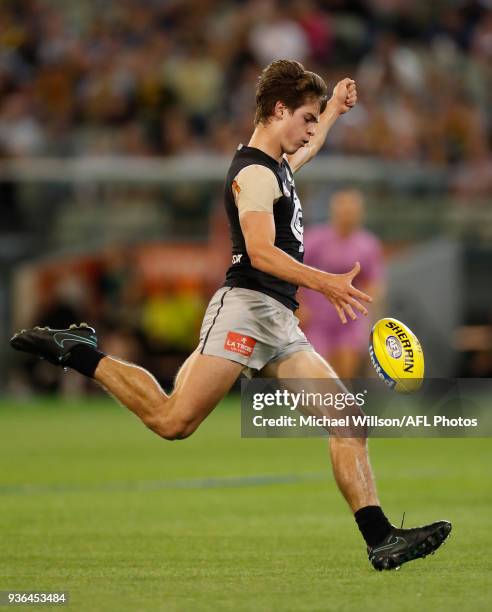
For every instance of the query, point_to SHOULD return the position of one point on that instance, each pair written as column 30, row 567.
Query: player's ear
column 279, row 110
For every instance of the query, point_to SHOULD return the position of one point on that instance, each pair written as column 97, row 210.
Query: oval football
column 397, row 355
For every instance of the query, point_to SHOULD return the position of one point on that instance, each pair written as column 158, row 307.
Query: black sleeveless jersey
column 287, row 215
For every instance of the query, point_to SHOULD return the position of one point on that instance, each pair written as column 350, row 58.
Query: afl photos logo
column 394, row 347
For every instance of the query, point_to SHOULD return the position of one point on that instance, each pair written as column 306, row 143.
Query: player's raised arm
column 344, row 98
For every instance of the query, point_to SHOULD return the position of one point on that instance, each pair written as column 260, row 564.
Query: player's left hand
column 345, row 95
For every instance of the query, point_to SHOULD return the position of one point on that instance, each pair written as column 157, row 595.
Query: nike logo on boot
column 61, row 337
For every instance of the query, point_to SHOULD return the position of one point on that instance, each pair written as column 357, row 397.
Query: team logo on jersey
column 296, row 222
column 290, row 182
column 238, row 343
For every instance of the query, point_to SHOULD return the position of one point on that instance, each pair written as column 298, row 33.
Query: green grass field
column 93, row 503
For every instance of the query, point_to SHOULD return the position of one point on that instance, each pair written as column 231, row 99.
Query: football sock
column 373, row 524
column 84, row 359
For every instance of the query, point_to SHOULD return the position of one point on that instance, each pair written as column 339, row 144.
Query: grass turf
column 93, row 503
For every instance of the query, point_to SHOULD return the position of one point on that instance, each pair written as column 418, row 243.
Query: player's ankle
column 84, row 359
column 373, row 524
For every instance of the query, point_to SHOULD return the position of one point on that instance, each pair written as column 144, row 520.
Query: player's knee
column 172, row 428
column 180, row 430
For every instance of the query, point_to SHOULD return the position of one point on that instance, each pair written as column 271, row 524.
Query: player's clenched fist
column 345, row 95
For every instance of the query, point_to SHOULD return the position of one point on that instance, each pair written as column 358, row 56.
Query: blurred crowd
column 170, row 77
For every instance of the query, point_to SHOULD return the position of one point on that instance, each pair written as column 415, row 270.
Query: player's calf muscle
column 133, row 386
column 139, row 391
column 201, row 383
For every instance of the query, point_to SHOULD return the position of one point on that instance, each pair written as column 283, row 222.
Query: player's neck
column 263, row 140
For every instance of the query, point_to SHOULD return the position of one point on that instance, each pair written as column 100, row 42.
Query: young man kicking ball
column 249, row 323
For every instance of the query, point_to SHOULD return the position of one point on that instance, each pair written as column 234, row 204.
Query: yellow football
column 397, row 355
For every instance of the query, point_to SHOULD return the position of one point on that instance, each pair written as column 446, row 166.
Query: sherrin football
column 397, row 355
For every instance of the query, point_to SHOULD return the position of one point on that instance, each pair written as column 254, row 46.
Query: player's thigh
column 304, row 371
column 200, row 385
column 302, row 364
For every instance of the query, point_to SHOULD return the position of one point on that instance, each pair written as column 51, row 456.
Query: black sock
column 373, row 524
column 84, row 359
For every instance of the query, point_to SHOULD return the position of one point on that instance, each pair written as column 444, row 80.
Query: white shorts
column 251, row 328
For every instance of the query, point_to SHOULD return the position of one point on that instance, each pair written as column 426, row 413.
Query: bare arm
column 259, row 233
column 343, row 99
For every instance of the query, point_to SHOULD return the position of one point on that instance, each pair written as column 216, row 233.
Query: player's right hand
column 345, row 95
column 343, row 295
